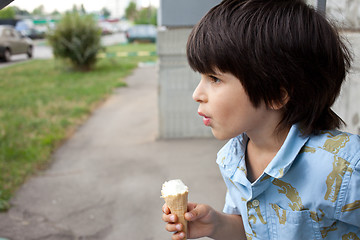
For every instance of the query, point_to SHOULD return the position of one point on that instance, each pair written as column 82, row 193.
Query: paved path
column 105, row 181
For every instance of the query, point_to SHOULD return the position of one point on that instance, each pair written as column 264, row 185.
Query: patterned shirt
column 310, row 190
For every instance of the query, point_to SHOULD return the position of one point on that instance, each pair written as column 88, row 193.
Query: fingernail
column 189, row 215
column 182, row 234
column 178, row 227
column 172, row 218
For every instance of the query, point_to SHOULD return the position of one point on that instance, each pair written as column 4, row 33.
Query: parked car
column 106, row 28
column 33, row 33
column 141, row 33
column 28, row 29
column 12, row 42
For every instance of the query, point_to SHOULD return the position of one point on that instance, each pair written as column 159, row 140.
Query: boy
column 270, row 71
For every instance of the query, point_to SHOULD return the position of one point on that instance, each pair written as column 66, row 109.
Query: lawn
column 42, row 103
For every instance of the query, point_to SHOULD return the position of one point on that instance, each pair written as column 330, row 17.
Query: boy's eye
column 214, row 79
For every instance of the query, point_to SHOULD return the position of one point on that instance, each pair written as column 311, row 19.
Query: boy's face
column 226, row 108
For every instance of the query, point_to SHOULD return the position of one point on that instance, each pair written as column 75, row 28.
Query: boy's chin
column 221, row 135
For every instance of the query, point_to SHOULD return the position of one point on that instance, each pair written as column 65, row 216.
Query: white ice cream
column 173, row 187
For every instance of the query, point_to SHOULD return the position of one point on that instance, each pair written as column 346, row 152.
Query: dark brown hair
column 272, row 46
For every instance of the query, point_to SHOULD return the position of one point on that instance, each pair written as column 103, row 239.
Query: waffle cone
column 178, row 205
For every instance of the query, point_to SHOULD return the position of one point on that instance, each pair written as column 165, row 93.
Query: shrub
column 76, row 38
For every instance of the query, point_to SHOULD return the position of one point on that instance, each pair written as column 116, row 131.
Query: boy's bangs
column 201, row 54
column 209, row 46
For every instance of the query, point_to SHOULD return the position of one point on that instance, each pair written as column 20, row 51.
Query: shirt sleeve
column 350, row 206
column 230, row 207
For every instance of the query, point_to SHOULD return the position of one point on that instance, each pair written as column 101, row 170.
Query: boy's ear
column 284, row 100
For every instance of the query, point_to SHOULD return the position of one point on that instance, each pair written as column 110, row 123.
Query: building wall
column 346, row 13
column 177, row 110
column 347, row 105
column 181, row 13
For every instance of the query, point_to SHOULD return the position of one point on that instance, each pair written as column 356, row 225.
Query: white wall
column 345, row 12
column 177, row 110
column 348, row 104
column 346, row 15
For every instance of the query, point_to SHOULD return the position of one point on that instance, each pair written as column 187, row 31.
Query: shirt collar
column 233, row 153
column 288, row 152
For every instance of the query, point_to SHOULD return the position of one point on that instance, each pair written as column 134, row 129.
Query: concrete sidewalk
column 105, row 181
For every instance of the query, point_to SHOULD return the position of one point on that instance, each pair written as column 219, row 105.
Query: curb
column 127, row 54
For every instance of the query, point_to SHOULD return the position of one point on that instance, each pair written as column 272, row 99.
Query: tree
column 8, row 13
column 76, row 39
column 146, row 16
column 82, row 9
column 105, row 12
column 131, row 11
column 55, row 13
column 21, row 12
column 39, row 11
column 75, row 9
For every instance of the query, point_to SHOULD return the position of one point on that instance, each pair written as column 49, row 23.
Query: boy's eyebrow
column 217, row 72
column 215, row 75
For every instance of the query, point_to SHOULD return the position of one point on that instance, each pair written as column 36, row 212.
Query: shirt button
column 255, row 203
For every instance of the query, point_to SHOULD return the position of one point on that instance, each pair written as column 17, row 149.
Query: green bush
column 77, row 39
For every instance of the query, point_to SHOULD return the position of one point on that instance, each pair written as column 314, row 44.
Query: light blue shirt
column 310, row 190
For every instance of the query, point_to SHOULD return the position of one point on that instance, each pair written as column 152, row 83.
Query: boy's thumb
column 191, row 216
column 194, row 214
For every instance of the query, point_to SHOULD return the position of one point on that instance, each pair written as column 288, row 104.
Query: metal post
column 321, row 6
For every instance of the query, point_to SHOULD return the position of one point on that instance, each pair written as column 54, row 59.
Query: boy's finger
column 190, row 216
column 170, row 227
column 191, row 206
column 195, row 213
column 165, row 209
column 170, row 218
column 178, row 236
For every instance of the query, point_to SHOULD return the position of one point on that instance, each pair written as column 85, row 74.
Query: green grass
column 131, row 47
column 42, row 103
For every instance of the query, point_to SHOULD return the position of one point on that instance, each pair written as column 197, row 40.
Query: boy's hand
column 201, row 221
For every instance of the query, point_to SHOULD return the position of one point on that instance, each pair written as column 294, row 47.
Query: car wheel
column 29, row 52
column 7, row 55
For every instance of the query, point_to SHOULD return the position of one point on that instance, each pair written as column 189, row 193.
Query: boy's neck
column 262, row 147
column 267, row 140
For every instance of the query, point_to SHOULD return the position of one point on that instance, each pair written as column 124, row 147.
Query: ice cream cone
column 175, row 194
column 178, row 205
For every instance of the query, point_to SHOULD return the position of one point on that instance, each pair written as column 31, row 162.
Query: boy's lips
column 206, row 119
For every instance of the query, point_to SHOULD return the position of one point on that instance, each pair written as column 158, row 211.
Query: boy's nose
column 199, row 94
